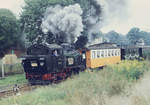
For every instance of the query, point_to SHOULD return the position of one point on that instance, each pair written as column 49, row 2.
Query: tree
column 113, row 36
column 133, row 35
column 9, row 28
column 145, row 36
column 33, row 12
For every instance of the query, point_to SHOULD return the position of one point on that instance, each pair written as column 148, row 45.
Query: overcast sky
column 138, row 15
column 13, row 5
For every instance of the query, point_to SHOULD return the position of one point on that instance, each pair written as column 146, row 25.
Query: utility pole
column 3, row 74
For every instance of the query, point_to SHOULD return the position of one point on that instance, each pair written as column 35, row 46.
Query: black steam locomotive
column 51, row 62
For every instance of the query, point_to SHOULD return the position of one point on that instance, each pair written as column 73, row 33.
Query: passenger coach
column 102, row 54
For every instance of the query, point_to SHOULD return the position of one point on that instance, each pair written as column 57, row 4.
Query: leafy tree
column 33, row 12
column 145, row 36
column 9, row 28
column 133, row 35
column 113, row 36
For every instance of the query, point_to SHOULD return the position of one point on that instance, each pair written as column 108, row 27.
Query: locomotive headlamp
column 42, row 58
column 41, row 63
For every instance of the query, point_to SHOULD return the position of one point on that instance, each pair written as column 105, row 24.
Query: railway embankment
column 125, row 83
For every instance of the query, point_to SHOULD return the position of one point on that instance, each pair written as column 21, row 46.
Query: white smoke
column 65, row 21
column 115, row 12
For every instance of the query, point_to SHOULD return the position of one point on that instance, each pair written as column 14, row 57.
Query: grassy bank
column 88, row 88
column 14, row 79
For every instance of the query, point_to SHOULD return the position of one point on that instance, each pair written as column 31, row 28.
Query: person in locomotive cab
column 55, row 53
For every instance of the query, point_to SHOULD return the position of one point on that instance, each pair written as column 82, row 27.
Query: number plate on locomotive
column 70, row 61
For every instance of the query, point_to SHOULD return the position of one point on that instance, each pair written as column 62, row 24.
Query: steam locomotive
column 51, row 62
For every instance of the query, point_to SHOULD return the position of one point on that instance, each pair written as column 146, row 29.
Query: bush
column 132, row 70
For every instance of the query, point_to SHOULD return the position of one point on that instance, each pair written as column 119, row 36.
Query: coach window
column 112, row 52
column 105, row 53
column 102, row 53
column 118, row 52
column 98, row 54
column 115, row 52
column 109, row 52
column 93, row 54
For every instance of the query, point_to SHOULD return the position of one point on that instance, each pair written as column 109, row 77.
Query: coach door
column 122, row 54
column 84, row 57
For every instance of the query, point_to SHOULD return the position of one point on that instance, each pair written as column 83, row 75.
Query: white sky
column 13, row 5
column 138, row 16
column 138, row 11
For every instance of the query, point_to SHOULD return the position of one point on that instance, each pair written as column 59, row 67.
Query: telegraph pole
column 3, row 74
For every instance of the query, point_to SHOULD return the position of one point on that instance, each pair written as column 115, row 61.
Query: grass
column 88, row 88
column 14, row 79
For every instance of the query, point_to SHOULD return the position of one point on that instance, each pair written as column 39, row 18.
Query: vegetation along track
column 16, row 90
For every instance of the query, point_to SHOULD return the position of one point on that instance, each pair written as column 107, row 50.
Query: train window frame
column 93, row 54
column 102, row 53
column 98, row 53
column 106, row 52
column 113, row 52
column 116, row 54
column 109, row 53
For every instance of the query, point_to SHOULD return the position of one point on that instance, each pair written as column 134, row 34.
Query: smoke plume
column 65, row 22
column 114, row 11
column 92, row 18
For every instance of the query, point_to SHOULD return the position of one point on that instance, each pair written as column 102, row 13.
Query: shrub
column 132, row 70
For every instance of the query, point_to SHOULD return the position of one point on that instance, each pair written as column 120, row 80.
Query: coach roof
column 104, row 45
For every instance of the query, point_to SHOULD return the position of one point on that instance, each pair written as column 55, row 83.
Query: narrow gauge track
column 11, row 91
column 15, row 90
